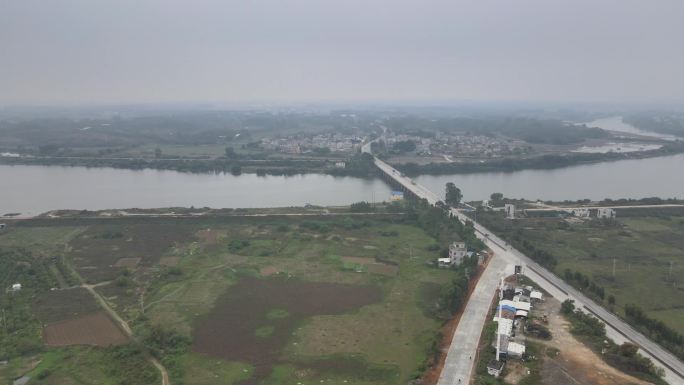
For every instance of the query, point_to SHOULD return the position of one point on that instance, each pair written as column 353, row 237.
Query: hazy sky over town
column 96, row 51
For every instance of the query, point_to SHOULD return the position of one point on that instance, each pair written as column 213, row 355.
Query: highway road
column 616, row 328
column 460, row 357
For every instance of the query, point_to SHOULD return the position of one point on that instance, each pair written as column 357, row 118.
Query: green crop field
column 646, row 248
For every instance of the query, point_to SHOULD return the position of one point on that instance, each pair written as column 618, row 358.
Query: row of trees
column 624, row 357
column 656, row 329
column 585, row 284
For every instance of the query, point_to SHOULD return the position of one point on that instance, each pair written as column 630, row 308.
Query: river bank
column 352, row 166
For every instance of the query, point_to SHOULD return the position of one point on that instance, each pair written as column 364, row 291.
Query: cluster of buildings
column 601, row 212
column 511, row 313
column 300, row 145
column 478, row 146
column 465, row 146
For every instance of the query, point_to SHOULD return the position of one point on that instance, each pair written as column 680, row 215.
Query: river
column 616, row 124
column 32, row 190
column 634, row 178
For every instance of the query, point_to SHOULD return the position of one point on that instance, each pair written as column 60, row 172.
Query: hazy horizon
column 69, row 52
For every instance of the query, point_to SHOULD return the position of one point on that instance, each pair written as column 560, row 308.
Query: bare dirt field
column 209, row 236
column 92, row 329
column 169, row 261
column 59, row 305
column 575, row 363
column 383, row 269
column 268, row 271
column 127, row 262
column 96, row 251
column 255, row 318
column 359, row 260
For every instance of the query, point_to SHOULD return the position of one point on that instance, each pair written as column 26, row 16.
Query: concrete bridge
column 458, row 370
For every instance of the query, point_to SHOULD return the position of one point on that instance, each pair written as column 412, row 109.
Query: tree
column 230, row 153
column 321, row 150
column 496, row 198
column 568, row 307
column 453, row 194
column 360, row 207
column 157, row 152
column 611, row 300
column 404, row 146
column 628, row 349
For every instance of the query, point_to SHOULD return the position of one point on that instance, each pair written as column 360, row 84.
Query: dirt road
column 575, row 363
column 126, row 329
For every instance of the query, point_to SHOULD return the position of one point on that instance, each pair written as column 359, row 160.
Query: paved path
column 460, row 357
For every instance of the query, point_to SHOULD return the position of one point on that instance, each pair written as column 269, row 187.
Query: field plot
column 102, row 252
column 253, row 321
column 92, row 329
column 249, row 300
column 59, row 305
column 645, row 250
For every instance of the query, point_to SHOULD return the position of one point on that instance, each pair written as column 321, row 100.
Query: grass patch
column 277, row 314
column 264, row 331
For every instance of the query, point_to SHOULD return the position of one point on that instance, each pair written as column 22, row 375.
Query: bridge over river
column 459, row 363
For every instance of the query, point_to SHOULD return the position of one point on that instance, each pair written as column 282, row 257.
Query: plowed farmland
column 92, row 329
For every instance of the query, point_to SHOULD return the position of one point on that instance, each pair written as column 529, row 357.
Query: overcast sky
column 96, row 51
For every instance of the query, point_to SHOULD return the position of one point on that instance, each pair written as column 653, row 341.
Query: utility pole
column 613, row 267
column 669, row 273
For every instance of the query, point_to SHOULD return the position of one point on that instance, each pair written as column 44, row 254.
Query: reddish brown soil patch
column 92, row 329
column 381, row 268
column 576, row 363
column 208, row 236
column 127, row 262
column 268, row 271
column 59, row 305
column 229, row 330
column 169, row 261
column 359, row 260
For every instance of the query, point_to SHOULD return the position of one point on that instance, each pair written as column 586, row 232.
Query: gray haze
column 123, row 51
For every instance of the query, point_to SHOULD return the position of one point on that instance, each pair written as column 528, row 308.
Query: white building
column 581, row 213
column 605, row 212
column 444, row 262
column 457, row 251
column 510, row 210
column 16, row 287
column 515, row 349
column 340, row 165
